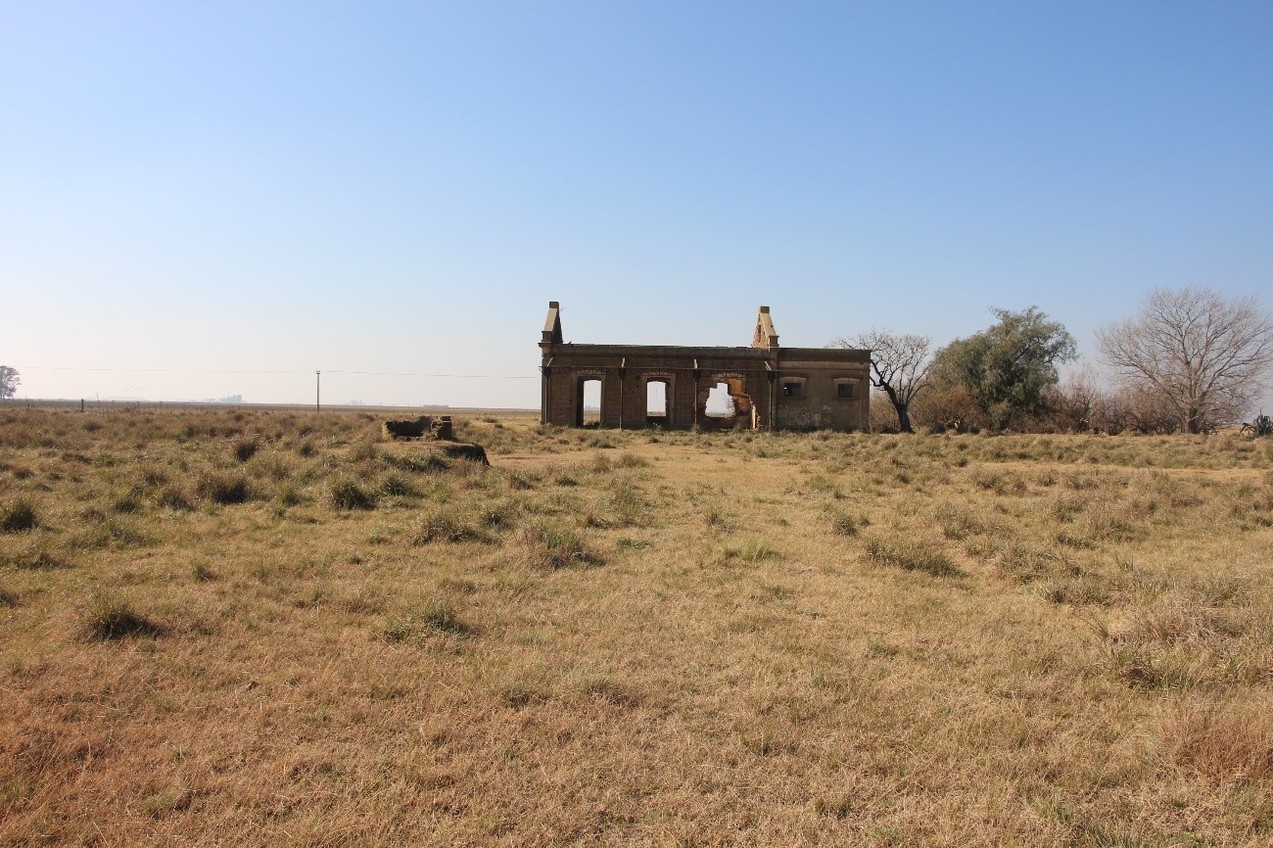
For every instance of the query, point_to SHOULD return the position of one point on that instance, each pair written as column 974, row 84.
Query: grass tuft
column 110, row 618
column 245, row 449
column 911, row 555
column 439, row 617
column 18, row 515
column 428, row 463
column 224, row 487
column 289, row 494
column 1228, row 742
column 397, row 486
column 346, row 494
column 553, row 548
column 447, row 524
column 750, row 551
column 845, row 524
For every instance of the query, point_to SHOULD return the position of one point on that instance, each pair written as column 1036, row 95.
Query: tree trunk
column 1194, row 422
column 903, row 417
column 901, row 408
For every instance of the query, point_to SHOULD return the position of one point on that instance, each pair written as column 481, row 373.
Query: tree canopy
column 899, row 367
column 1007, row 369
column 9, row 381
column 1200, row 356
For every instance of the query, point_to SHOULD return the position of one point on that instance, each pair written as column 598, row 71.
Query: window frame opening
column 653, row 417
column 793, row 388
column 717, row 397
column 744, row 412
column 587, row 416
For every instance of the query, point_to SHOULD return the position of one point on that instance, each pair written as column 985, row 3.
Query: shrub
column 911, row 555
column 18, row 515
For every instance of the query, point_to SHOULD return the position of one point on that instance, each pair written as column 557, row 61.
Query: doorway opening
column 588, row 402
column 657, row 408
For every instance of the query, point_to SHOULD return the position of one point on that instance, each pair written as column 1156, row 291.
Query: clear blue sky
column 220, row 188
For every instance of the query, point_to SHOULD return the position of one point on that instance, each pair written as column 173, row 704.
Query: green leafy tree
column 9, row 381
column 1008, row 369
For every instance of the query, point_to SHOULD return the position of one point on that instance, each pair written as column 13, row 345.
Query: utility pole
column 318, row 391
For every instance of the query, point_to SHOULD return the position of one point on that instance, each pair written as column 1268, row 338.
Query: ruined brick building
column 761, row 387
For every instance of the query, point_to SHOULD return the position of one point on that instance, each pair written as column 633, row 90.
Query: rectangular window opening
column 656, row 397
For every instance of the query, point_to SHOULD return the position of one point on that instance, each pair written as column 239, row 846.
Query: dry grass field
column 267, row 627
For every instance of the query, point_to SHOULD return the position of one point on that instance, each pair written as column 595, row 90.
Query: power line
column 460, row 376
column 276, row 371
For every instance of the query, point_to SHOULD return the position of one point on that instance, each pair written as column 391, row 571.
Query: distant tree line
column 1191, row 360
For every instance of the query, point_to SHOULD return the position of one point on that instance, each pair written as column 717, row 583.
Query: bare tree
column 899, row 367
column 1200, row 354
column 1077, row 401
column 9, row 381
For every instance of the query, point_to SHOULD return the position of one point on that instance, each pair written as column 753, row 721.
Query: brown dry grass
column 232, row 627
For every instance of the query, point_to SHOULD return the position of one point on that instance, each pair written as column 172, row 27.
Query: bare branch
column 899, row 366
column 1201, row 355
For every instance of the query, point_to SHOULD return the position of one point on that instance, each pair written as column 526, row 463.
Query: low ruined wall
column 422, row 427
